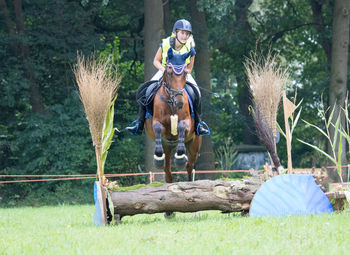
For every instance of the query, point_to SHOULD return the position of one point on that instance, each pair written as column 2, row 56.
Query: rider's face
column 182, row 35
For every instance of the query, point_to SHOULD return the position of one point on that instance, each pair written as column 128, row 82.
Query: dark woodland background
column 43, row 129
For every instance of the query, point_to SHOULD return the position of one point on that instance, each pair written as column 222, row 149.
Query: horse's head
column 175, row 77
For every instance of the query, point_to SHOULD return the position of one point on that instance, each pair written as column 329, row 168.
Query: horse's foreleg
column 159, row 156
column 181, row 128
column 180, row 155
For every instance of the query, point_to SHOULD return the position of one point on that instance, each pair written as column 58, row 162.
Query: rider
column 181, row 41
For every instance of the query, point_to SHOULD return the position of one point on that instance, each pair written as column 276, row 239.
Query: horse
column 171, row 125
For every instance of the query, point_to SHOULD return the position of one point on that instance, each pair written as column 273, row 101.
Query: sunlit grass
column 71, row 230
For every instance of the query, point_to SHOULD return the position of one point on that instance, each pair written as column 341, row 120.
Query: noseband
column 171, row 93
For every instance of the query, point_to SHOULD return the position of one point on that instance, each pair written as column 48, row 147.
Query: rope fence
column 62, row 177
column 92, row 176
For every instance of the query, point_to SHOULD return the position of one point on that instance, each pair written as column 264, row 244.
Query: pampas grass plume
column 98, row 85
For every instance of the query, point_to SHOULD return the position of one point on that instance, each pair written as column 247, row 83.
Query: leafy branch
column 294, row 122
column 339, row 132
column 226, row 154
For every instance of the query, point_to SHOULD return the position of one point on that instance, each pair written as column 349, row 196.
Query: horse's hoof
column 169, row 215
column 180, row 161
column 159, row 162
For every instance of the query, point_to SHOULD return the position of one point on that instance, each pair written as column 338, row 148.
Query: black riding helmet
column 182, row 24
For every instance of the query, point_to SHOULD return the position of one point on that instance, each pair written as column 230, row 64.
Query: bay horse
column 172, row 125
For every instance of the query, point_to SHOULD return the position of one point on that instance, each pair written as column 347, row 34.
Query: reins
column 171, row 93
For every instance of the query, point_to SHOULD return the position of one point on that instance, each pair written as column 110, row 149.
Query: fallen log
column 338, row 200
column 226, row 196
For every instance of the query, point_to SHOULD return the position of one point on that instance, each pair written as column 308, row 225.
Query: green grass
column 138, row 186
column 71, row 230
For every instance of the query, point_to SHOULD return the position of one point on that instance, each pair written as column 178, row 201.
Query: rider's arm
column 190, row 65
column 157, row 62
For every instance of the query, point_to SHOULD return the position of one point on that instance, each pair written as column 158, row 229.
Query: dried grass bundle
column 98, row 87
column 266, row 81
column 266, row 136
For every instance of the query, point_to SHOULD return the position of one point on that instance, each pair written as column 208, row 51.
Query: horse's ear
column 186, row 55
column 191, row 53
column 170, row 53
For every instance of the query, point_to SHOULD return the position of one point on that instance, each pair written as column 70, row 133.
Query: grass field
column 71, row 230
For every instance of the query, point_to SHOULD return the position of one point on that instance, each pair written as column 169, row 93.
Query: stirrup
column 134, row 123
column 203, row 124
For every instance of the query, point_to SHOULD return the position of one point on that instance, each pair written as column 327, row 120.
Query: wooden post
column 287, row 113
column 99, row 163
column 150, row 177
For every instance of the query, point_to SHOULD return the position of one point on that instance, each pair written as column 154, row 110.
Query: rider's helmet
column 182, row 24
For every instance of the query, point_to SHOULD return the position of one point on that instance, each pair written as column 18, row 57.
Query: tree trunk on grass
column 226, row 196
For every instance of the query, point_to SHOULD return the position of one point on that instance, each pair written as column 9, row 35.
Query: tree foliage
column 57, row 141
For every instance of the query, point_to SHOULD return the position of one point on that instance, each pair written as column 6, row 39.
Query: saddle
column 149, row 89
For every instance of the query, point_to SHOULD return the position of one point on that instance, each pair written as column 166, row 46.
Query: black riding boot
column 201, row 128
column 136, row 127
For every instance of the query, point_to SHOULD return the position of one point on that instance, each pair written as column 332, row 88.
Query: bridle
column 170, row 92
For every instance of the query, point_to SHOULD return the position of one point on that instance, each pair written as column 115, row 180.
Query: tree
column 231, row 40
column 336, row 50
column 339, row 64
column 241, row 11
column 153, row 33
column 21, row 50
column 168, row 26
column 202, row 69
